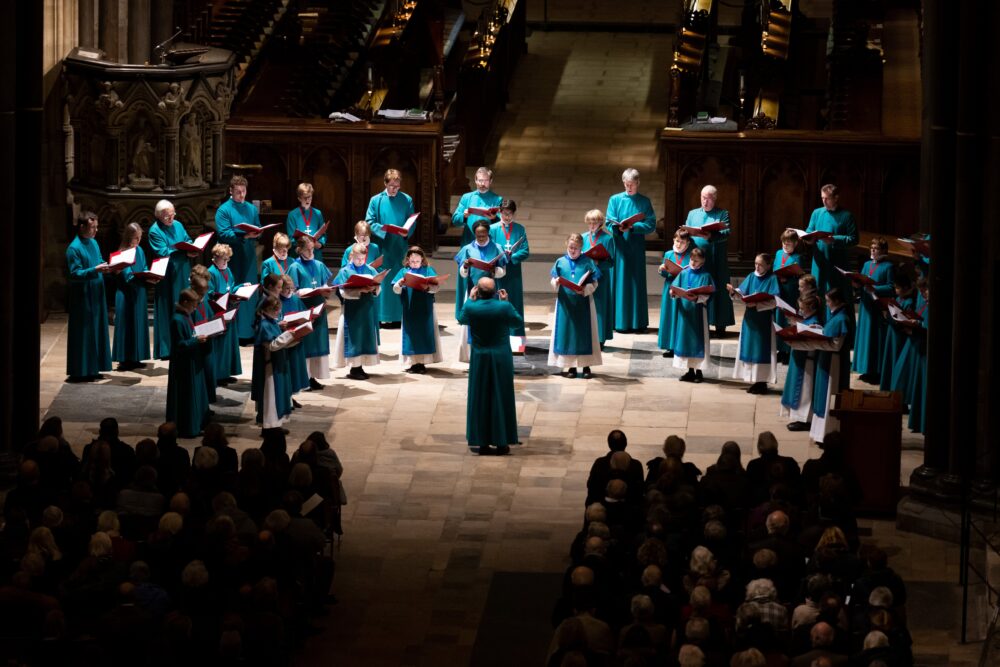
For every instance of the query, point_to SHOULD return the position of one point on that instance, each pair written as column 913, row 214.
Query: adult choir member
column 166, row 233
column 390, row 207
column 88, row 351
column 187, row 395
column 491, row 415
column 715, row 246
column 872, row 327
column 604, row 297
column 234, row 211
column 829, row 254
column 131, row 342
column 482, row 198
column 631, row 308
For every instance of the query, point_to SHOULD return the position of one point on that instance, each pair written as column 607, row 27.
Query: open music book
column 696, row 294
column 198, row 245
column 360, row 280
column 627, row 223
column 209, row 328
column 405, row 229
column 122, row 258
column 575, row 286
column 598, row 253
column 157, row 270
column 314, row 236
column 812, row 236
column 705, row 230
column 417, row 281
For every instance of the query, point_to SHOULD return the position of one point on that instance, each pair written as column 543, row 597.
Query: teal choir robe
column 756, row 352
column 474, row 199
column 271, row 385
column 826, row 256
column 895, row 338
column 274, row 265
column 203, row 313
column 465, row 283
column 357, row 332
column 631, row 307
column 162, row 239
column 491, row 414
column 872, row 327
column 690, row 325
column 918, row 374
column 310, row 274
column 902, row 372
column 374, row 252
column 574, row 329
column 421, row 343
column 297, row 367
column 788, row 289
column 385, row 210
column 226, row 348
column 716, row 249
column 669, row 305
column 131, row 342
column 797, row 395
column 305, row 220
column 88, row 350
column 506, row 238
column 187, row 397
column 604, row 296
column 833, row 372
column 244, row 260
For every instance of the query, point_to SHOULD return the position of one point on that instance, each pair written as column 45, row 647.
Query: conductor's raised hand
column 502, row 294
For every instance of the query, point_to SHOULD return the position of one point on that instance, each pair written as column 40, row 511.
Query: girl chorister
column 575, row 339
column 797, row 396
column 420, row 340
column 357, row 332
column 833, row 371
column 787, row 263
column 271, row 387
column 679, row 255
column 756, row 360
column 690, row 326
column 310, row 273
column 187, row 397
column 298, row 368
column 226, row 348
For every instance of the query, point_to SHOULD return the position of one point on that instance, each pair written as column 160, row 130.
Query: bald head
column 486, row 287
column 582, row 576
column 821, row 635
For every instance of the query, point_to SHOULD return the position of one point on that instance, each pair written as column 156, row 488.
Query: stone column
column 114, row 175
column 112, row 35
column 87, row 16
column 170, row 159
column 217, row 156
column 139, row 48
column 937, row 213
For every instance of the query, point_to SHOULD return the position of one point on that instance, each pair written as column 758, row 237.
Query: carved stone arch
column 392, row 157
column 189, row 217
column 328, row 171
column 200, row 93
column 136, row 97
column 784, row 197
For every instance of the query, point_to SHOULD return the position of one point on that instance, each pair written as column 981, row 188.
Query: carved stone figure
column 191, row 153
column 142, row 158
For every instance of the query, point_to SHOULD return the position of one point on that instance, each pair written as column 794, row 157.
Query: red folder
column 756, row 297
column 417, row 281
column 787, row 309
column 244, row 292
column 157, row 270
column 315, row 237
column 705, row 230
column 359, row 280
column 484, row 212
column 517, row 244
column 198, row 245
column 627, row 223
column 672, row 268
column 485, row 266
column 300, row 316
column 121, row 258
column 813, row 236
column 307, row 292
column 598, row 253
column 244, row 227
column 857, row 278
column 790, row 271
column 403, row 231
column 575, row 286
column 699, row 294
column 378, row 262
column 210, row 328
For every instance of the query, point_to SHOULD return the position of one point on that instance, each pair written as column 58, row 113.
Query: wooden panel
column 329, row 174
column 770, row 180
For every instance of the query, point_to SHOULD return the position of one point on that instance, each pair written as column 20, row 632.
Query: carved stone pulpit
column 141, row 133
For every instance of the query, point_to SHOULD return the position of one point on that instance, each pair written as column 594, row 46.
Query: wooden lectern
column 871, row 426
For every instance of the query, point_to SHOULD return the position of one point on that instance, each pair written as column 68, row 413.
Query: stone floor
column 429, row 526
